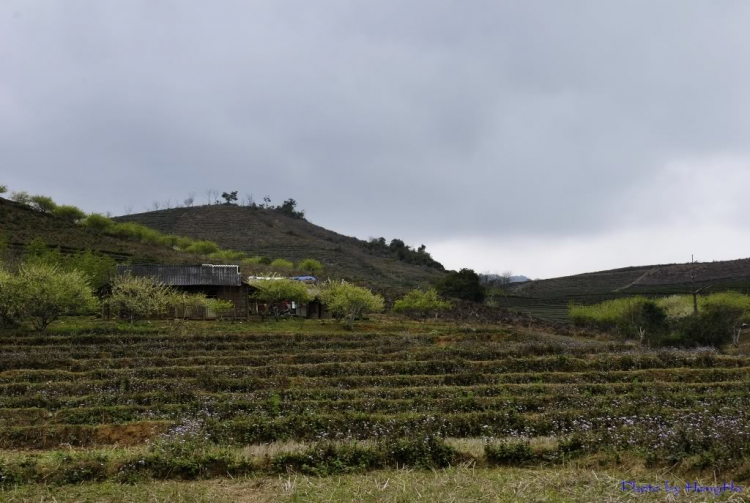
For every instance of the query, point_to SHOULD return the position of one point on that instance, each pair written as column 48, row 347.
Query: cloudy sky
column 544, row 137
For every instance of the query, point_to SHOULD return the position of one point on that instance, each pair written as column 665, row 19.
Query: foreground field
column 464, row 485
column 215, row 401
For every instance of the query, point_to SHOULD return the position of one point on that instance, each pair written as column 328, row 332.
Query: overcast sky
column 545, row 137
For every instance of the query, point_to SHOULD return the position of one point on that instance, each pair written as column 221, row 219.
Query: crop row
column 654, row 389
column 240, row 366
column 223, row 409
column 210, row 383
column 362, row 426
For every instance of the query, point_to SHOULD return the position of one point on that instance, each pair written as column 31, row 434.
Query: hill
column 258, row 231
column 20, row 224
column 549, row 298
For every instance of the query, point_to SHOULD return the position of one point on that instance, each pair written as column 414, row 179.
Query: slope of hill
column 549, row 298
column 20, row 224
column 266, row 232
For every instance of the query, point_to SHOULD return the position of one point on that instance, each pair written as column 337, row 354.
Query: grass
column 460, row 484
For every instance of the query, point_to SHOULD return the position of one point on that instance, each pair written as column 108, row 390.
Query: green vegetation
column 421, row 303
column 135, row 298
column 257, row 399
column 464, row 284
column 404, row 253
column 3, row 188
column 282, row 264
column 69, row 213
column 310, row 266
column 349, row 302
column 41, row 293
column 670, row 320
column 273, row 292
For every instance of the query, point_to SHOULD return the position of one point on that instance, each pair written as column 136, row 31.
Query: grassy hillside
column 549, row 298
column 20, row 224
column 267, row 232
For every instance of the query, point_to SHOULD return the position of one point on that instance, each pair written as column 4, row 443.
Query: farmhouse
column 215, row 281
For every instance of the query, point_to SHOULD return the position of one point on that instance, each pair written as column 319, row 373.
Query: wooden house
column 215, row 281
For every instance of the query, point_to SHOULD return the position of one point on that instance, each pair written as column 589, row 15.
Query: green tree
column 46, row 292
column 272, row 292
column 310, row 265
column 229, row 197
column 732, row 308
column 21, row 197
column 134, row 298
column 44, row 204
column 70, row 213
column 3, row 188
column 464, row 284
column 421, row 303
column 350, row 302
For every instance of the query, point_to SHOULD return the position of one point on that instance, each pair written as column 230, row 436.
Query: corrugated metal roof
column 187, row 275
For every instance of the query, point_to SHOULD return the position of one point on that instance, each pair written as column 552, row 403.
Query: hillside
column 266, row 232
column 20, row 224
column 549, row 298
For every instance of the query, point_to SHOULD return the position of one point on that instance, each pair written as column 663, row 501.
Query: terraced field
column 343, row 400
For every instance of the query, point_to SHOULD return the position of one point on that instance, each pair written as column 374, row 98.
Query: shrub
column 43, row 204
column 134, row 298
column 310, row 265
column 350, row 302
column 203, row 247
column 70, row 213
column 251, row 261
column 227, row 255
column 419, row 303
column 97, row 222
column 11, row 298
column 281, row 263
column 464, row 284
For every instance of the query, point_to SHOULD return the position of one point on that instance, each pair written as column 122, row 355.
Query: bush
column 464, row 284
column 350, row 302
column 419, row 303
column 310, row 265
column 227, row 256
column 203, row 248
column 281, row 263
column 42, row 293
column 97, row 222
column 43, row 204
column 134, row 298
column 70, row 213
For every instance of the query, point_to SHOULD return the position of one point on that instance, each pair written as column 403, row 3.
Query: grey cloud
column 426, row 120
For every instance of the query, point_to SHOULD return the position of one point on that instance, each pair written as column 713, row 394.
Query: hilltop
column 258, row 231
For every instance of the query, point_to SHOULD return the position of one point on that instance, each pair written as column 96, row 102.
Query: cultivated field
column 105, row 403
